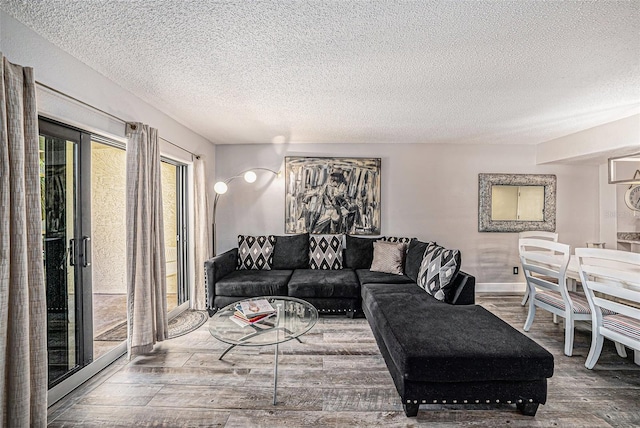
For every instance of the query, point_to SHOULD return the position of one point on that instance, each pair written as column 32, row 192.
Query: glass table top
column 293, row 318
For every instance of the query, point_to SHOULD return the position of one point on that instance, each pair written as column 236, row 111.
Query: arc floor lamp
column 221, row 188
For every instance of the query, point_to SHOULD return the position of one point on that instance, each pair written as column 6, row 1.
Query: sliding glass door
column 83, row 181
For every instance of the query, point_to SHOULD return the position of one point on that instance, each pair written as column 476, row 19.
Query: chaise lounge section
column 441, row 353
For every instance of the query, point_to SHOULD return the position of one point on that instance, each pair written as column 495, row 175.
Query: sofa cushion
column 255, row 252
column 359, row 252
column 291, row 252
column 388, row 257
column 331, row 283
column 366, row 276
column 251, row 283
column 437, row 271
column 325, row 252
column 415, row 254
column 433, row 341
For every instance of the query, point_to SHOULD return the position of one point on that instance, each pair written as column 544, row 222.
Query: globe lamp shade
column 250, row 176
column 220, row 187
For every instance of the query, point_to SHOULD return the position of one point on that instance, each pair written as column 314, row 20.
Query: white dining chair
column 544, row 264
column 611, row 280
column 537, row 234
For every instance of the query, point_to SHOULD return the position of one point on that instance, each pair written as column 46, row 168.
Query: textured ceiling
column 518, row 72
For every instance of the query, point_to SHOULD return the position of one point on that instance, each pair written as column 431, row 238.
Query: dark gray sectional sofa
column 330, row 291
column 437, row 351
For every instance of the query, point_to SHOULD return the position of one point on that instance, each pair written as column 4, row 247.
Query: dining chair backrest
column 539, row 234
column 548, row 260
column 611, row 279
column 536, row 234
column 614, row 275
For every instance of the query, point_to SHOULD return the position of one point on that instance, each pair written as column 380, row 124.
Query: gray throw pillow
column 388, row 257
column 437, row 271
column 255, row 252
column 415, row 254
column 325, row 252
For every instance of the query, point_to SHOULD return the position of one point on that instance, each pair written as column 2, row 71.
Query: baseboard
column 501, row 287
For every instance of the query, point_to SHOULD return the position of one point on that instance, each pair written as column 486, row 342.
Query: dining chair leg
column 620, row 349
column 555, row 318
column 568, row 336
column 532, row 314
column 525, row 297
column 596, row 348
column 636, row 357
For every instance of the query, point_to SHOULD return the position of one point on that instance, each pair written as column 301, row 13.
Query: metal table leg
column 275, row 376
column 275, row 363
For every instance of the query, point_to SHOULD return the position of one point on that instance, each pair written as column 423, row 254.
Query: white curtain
column 23, row 302
column 201, row 230
column 146, row 266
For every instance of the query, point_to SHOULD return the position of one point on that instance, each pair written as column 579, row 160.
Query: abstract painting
column 332, row 195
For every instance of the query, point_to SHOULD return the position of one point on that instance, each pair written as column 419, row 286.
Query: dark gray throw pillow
column 359, row 252
column 291, row 252
column 415, row 253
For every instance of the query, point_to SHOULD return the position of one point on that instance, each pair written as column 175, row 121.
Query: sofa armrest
column 465, row 289
column 216, row 268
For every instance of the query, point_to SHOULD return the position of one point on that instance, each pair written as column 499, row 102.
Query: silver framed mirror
column 516, row 202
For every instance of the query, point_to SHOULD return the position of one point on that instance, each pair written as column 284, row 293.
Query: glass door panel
column 170, row 220
column 108, row 229
column 174, row 203
column 57, row 184
column 65, row 250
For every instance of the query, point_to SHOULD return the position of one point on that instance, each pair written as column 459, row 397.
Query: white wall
column 428, row 191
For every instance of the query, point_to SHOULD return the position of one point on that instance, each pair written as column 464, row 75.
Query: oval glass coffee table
column 292, row 318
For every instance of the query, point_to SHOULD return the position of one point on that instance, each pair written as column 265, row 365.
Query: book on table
column 243, row 317
column 253, row 308
column 239, row 319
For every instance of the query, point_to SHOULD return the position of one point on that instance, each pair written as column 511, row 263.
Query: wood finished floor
column 337, row 378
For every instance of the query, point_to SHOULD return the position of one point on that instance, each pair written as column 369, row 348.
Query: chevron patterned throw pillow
column 438, row 268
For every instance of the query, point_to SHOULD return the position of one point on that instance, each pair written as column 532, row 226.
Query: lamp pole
column 221, row 188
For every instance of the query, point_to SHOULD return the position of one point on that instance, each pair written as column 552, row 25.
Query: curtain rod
column 107, row 114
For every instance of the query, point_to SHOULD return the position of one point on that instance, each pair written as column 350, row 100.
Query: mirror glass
column 517, row 203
